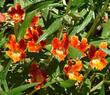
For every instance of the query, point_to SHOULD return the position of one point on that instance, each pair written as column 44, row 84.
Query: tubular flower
column 37, row 75
column 16, row 13
column 72, row 70
column 81, row 45
column 60, row 48
column 97, row 57
column 16, row 49
column 32, row 35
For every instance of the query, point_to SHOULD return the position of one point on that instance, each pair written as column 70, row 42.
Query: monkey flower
column 37, row 75
column 97, row 57
column 16, row 49
column 72, row 70
column 60, row 48
column 16, row 13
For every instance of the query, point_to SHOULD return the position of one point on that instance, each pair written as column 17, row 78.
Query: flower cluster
column 97, row 57
column 18, row 49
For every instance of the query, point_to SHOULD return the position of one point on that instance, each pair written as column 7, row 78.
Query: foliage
column 54, row 47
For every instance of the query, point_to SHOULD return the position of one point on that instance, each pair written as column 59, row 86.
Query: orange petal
column 77, row 66
column 74, row 41
column 65, row 41
column 83, row 45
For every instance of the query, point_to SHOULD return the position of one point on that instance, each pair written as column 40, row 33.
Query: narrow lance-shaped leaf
column 3, row 75
column 98, row 86
column 21, row 88
column 38, row 5
column 102, row 91
column 106, row 30
column 25, row 24
column 80, row 27
column 106, row 51
column 53, row 28
column 74, row 53
column 67, row 83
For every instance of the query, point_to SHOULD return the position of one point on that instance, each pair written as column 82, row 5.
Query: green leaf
column 53, row 28
column 98, row 86
column 67, row 83
column 49, row 83
column 74, row 53
column 25, row 24
column 38, row 6
column 108, row 59
column 2, row 42
column 96, row 42
column 48, row 47
column 106, row 51
column 2, row 3
column 88, row 83
column 78, row 3
column 80, row 27
column 106, row 29
column 2, row 92
column 3, row 75
column 102, row 91
column 21, row 88
column 24, row 3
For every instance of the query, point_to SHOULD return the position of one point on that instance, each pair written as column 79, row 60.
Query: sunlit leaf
column 25, row 24
column 52, row 28
column 80, row 27
column 21, row 88
column 98, row 86
column 67, row 83
column 102, row 91
column 38, row 6
column 74, row 53
column 106, row 29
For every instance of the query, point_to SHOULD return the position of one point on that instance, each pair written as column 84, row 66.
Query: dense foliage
column 54, row 47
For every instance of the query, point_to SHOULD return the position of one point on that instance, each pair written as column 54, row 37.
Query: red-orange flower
column 72, row 70
column 97, row 57
column 37, row 75
column 81, row 45
column 16, row 13
column 32, row 35
column 60, row 48
column 16, row 49
column 2, row 17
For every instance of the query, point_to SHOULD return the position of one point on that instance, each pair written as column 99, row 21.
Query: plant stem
column 93, row 27
column 85, row 76
column 16, row 29
column 33, row 92
column 68, row 7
